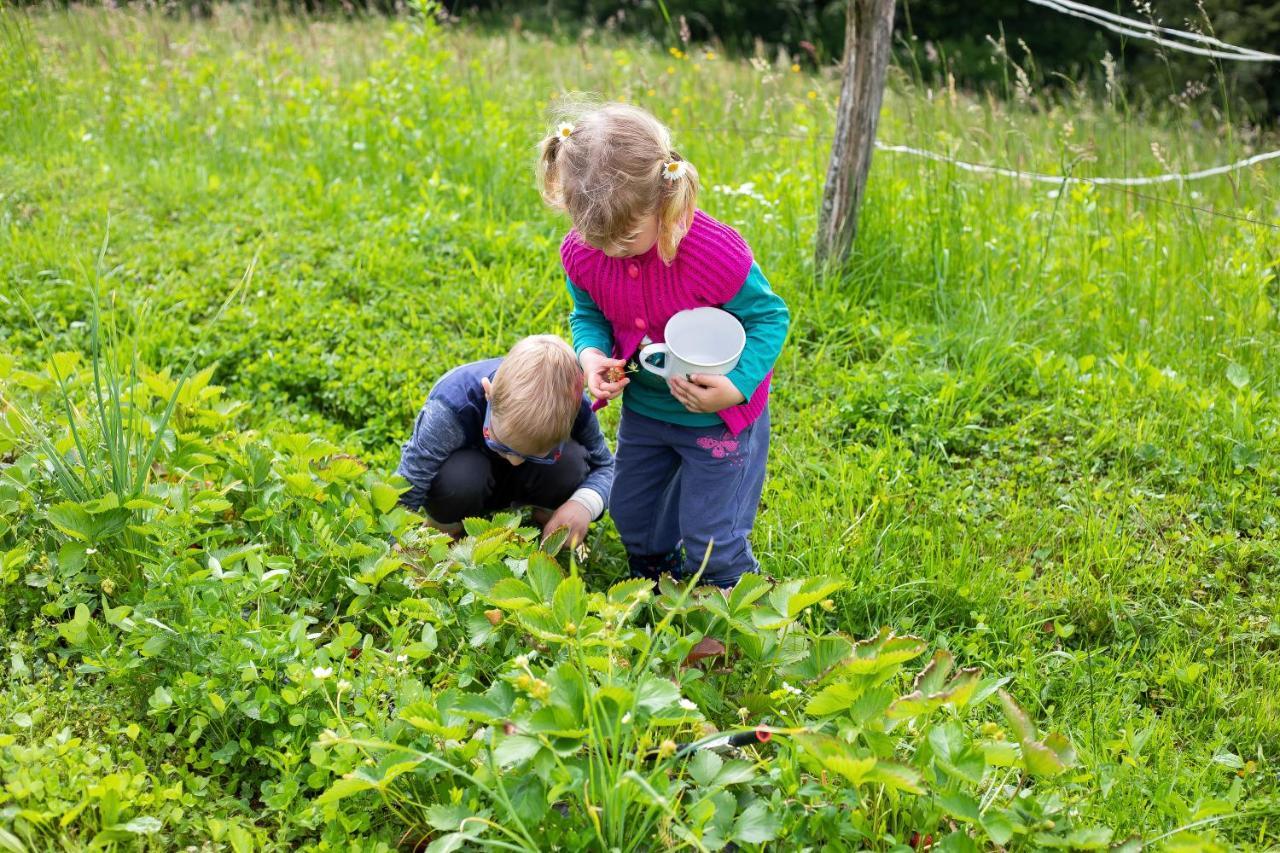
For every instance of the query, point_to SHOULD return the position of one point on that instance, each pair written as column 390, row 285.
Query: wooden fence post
column 868, row 40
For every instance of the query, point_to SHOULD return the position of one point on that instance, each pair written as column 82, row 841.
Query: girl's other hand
column 597, row 366
column 705, row 393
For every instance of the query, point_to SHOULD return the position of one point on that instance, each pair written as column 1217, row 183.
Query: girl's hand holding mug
column 704, row 393
column 597, row 366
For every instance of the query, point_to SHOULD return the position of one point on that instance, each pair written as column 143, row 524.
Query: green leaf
column 1089, row 838
column 656, row 694
column 449, row 843
column 543, row 575
column 143, row 825
column 756, row 824
column 384, row 497
column 448, row 818
column 790, row 598
column 625, row 591
column 704, row 766
column 748, row 589
column 835, row 755
column 512, row 594
column 476, row 526
column 553, row 543
column 494, row 705
column 897, row 776
column 515, row 749
column 71, row 519
column 569, row 603
column 241, row 839
column 934, row 674
column 76, row 632
column 1021, row 724
column 160, row 699
column 347, row 786
column 833, row 699
column 883, row 653
column 736, row 772
column 1237, row 375
column 997, row 827
column 960, row 805
column 824, row 653
column 1040, row 760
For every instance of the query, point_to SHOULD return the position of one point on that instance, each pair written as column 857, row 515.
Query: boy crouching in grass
column 510, row 432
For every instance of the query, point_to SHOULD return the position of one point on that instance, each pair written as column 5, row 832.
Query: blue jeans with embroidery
column 680, row 492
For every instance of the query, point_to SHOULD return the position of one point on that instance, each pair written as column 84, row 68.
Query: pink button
column 640, row 323
column 633, row 271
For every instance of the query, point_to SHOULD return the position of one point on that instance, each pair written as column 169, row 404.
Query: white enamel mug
column 699, row 340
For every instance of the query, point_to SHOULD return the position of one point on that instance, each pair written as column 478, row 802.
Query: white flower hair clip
column 674, row 170
column 565, row 130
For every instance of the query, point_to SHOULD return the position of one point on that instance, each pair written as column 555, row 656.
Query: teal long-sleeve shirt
column 762, row 313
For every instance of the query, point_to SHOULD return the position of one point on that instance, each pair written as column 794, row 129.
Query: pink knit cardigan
column 638, row 295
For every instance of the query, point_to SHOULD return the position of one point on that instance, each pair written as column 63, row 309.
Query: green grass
column 1037, row 428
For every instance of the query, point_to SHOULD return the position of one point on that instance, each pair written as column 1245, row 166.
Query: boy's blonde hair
column 604, row 167
column 536, row 393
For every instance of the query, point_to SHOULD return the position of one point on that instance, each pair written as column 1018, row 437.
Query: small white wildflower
column 343, row 685
column 674, row 170
column 89, row 551
column 687, row 705
column 522, row 662
column 322, row 672
column 626, row 718
column 795, row 691
column 402, row 658
column 565, row 130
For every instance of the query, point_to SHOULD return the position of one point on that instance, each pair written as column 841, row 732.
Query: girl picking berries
column 691, row 452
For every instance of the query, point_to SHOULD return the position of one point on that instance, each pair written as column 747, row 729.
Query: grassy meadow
column 1034, row 426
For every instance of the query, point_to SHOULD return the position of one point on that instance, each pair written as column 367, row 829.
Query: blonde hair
column 536, row 393
column 604, row 167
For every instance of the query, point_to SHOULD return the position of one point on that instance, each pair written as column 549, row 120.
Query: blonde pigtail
column 678, row 203
column 549, row 184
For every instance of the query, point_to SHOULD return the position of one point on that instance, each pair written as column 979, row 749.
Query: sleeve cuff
column 738, row 381
column 590, row 499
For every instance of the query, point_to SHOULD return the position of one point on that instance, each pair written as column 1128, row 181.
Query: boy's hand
column 705, row 393
column 572, row 515
column 597, row 366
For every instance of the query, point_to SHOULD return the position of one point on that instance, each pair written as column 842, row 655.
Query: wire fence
column 1174, row 39
column 1123, row 183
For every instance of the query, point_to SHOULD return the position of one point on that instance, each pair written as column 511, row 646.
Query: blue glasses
column 500, row 448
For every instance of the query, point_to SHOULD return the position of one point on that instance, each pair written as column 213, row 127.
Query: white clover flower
column 322, row 672
column 687, row 705
column 674, row 170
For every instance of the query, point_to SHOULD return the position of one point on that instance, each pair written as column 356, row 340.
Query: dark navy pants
column 477, row 482
column 693, row 486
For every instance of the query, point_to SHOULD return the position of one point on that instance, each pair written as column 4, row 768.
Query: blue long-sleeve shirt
column 453, row 418
column 763, row 315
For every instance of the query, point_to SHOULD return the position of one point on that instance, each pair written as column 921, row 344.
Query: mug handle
column 649, row 352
